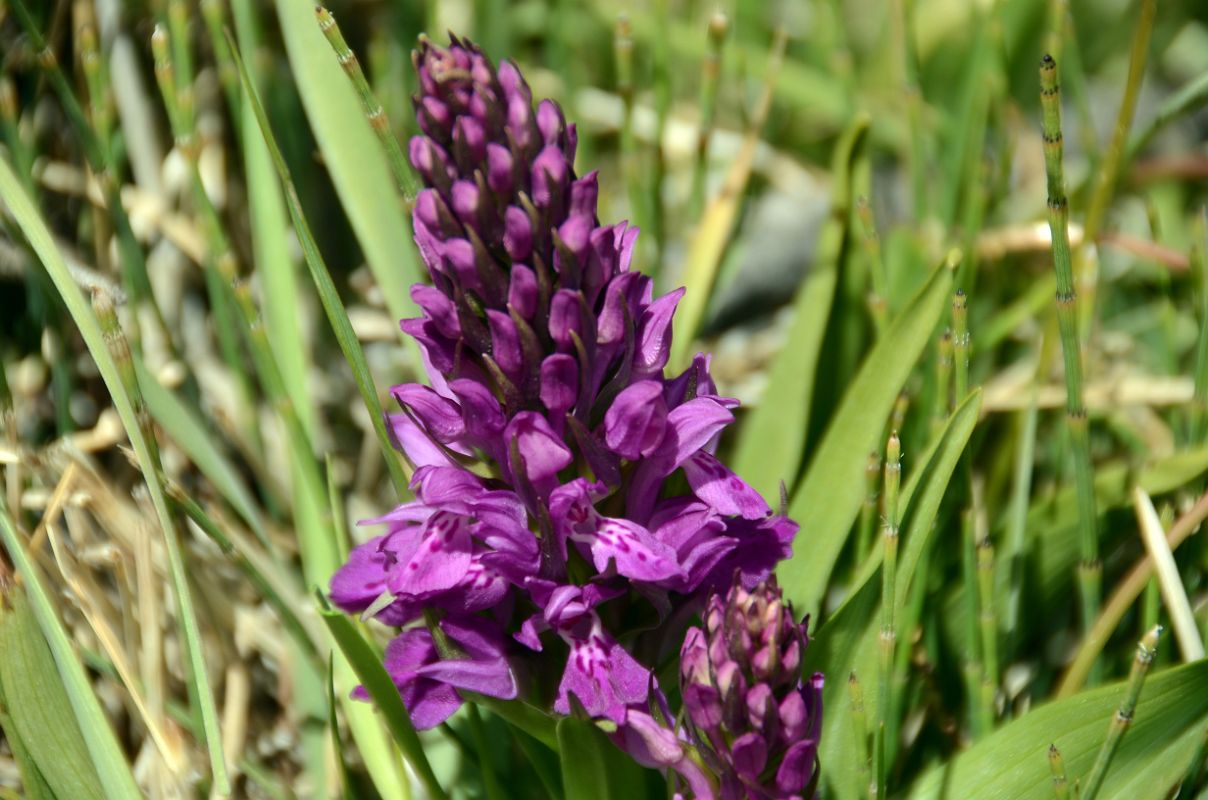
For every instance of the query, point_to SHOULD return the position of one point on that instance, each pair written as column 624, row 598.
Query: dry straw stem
column 1174, row 594
column 1127, row 591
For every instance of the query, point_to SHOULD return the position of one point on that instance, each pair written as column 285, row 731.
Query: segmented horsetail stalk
column 961, row 343
column 989, row 623
column 868, row 511
column 859, row 726
column 1061, row 787
column 889, row 568
column 943, row 382
column 1089, row 568
column 878, row 298
column 1146, row 649
column 408, row 184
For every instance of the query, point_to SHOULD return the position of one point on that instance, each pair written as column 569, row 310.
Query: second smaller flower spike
column 755, row 722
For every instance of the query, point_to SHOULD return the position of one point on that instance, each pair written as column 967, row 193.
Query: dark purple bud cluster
column 754, row 720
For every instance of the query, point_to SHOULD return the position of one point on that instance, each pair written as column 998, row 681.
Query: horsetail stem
column 405, row 178
column 859, row 726
column 989, row 623
column 943, row 382
column 1089, row 568
column 868, row 511
column 878, row 298
column 1061, row 787
column 1146, row 648
column 961, row 342
column 889, row 568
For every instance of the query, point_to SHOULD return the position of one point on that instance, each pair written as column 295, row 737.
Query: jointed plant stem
column 1089, row 568
column 1061, row 786
column 1123, row 716
column 889, row 569
column 859, row 726
column 405, row 178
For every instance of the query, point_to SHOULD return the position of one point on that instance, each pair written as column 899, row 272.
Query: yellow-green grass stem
column 889, row 633
column 878, row 297
column 1061, row 785
column 1121, row 720
column 859, row 728
column 404, row 176
column 988, row 618
column 1199, row 270
column 719, row 26
column 1089, row 568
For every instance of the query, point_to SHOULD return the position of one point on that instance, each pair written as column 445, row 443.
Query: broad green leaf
column 36, row 232
column 108, row 760
column 773, row 436
column 38, row 712
column 847, row 642
column 830, row 494
column 592, row 766
column 1012, row 763
column 354, row 159
column 373, row 676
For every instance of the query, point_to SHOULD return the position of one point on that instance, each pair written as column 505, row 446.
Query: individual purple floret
column 562, row 481
column 753, row 719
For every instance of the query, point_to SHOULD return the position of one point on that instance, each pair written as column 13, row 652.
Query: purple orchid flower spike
column 563, row 481
column 756, row 722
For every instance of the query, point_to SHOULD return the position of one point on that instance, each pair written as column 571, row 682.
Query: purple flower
column 563, row 481
column 755, row 721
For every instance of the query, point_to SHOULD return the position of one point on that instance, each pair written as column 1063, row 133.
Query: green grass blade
column 31, row 224
column 372, row 673
column 773, row 439
column 38, row 717
column 1011, row 763
column 280, row 296
column 191, row 435
column 357, row 165
column 337, row 315
column 830, row 494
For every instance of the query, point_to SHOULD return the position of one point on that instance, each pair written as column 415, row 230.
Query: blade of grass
column 713, row 232
column 832, row 490
column 1174, row 594
column 40, row 240
column 357, row 166
column 372, row 673
column 337, row 316
column 112, row 768
column 774, row 434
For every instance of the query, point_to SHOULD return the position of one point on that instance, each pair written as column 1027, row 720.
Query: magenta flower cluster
column 565, row 486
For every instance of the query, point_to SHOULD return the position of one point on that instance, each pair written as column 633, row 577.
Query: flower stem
column 1089, row 567
column 1123, row 717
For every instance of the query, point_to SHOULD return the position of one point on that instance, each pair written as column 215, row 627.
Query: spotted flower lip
column 563, row 479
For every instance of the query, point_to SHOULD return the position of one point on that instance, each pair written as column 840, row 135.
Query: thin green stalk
column 1192, row 775
column 1061, row 786
column 719, row 26
column 1017, row 513
column 878, row 298
column 134, row 265
column 180, row 119
column 868, row 512
column 889, row 570
column 859, row 727
column 961, row 342
column 215, row 19
column 408, row 186
column 1199, row 270
column 200, row 695
column 989, row 624
column 1123, row 716
column 902, row 13
column 943, row 383
column 1089, row 567
column 337, row 316
column 662, row 111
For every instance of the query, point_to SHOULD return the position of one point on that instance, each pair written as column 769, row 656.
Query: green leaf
column 848, row 640
column 830, row 494
column 372, row 673
column 357, row 165
column 35, row 230
column 773, row 436
column 38, row 711
column 592, row 766
column 116, row 782
column 1012, row 763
